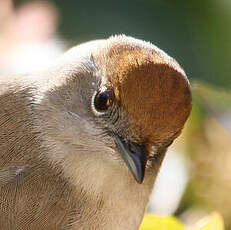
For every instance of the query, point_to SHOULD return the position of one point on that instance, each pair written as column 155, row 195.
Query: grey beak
column 134, row 155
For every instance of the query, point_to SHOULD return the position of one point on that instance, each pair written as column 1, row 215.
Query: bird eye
column 103, row 99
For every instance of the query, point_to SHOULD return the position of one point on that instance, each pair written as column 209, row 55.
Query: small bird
column 81, row 143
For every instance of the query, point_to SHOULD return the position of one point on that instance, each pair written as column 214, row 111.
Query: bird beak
column 134, row 155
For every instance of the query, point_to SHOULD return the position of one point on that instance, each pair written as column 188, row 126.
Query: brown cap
column 150, row 86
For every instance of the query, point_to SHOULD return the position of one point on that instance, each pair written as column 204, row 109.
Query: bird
column 81, row 143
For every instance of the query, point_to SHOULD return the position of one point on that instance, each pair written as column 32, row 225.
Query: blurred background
column 196, row 175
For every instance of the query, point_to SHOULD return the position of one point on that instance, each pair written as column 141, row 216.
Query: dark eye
column 103, row 100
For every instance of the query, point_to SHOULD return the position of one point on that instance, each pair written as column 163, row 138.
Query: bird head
column 126, row 95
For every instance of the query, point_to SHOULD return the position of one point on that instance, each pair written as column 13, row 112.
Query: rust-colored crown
column 149, row 84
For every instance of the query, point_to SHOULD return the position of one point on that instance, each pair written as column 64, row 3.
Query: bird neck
column 112, row 198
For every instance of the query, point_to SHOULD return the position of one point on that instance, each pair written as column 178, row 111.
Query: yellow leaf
column 211, row 222
column 160, row 223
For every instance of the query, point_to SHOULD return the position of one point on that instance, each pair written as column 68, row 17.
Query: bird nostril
column 132, row 147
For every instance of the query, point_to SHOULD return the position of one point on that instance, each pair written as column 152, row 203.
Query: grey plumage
column 59, row 167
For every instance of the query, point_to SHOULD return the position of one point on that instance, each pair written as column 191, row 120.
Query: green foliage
column 196, row 33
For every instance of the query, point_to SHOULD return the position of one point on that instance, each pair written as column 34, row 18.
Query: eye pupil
column 102, row 100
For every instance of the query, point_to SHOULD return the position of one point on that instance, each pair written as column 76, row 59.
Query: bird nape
column 81, row 143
